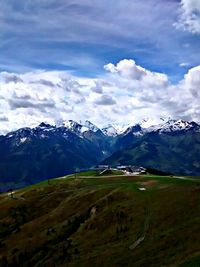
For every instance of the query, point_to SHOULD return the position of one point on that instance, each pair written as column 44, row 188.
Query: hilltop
column 102, row 221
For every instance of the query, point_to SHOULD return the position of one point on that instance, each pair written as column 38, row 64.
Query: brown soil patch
column 149, row 183
column 163, row 186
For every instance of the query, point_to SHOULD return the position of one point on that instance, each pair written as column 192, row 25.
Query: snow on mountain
column 78, row 127
column 148, row 122
column 114, row 129
column 73, row 126
column 175, row 126
column 87, row 125
column 45, row 126
column 166, row 126
column 109, row 130
column 21, row 133
column 136, row 130
column 44, row 130
column 23, row 139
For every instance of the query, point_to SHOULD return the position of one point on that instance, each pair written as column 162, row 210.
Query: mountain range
column 29, row 155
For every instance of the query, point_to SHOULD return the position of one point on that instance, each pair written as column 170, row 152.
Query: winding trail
column 147, row 217
column 186, row 179
column 138, row 241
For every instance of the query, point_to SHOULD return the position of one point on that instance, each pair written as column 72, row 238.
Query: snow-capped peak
column 165, row 126
column 135, row 130
column 45, row 126
column 44, row 130
column 115, row 129
column 174, row 126
column 89, row 126
column 72, row 125
column 148, row 122
column 78, row 127
column 109, row 130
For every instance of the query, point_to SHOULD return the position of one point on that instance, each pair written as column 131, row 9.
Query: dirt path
column 138, row 241
column 125, row 175
column 186, row 179
column 99, row 177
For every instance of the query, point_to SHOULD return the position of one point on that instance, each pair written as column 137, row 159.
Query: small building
column 132, row 169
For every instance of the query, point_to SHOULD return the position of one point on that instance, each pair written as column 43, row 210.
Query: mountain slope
column 30, row 155
column 98, row 222
column 175, row 153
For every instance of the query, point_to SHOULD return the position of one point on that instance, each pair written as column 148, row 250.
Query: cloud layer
column 189, row 16
column 125, row 92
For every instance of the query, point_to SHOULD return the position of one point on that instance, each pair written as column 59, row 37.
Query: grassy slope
column 98, row 173
column 93, row 222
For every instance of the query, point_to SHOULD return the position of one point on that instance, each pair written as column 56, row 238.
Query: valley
column 30, row 155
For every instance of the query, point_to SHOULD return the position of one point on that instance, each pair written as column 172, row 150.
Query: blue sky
column 98, row 53
column 82, row 36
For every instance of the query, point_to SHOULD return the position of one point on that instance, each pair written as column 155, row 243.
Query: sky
column 116, row 61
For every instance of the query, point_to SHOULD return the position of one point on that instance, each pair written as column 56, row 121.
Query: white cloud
column 11, row 77
column 189, row 19
column 184, row 64
column 3, row 118
column 127, row 93
column 128, row 70
column 192, row 82
column 98, row 87
column 105, row 100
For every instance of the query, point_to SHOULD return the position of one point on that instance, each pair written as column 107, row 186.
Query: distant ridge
column 29, row 155
column 166, row 126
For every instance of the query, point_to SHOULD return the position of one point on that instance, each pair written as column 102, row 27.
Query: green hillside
column 98, row 173
column 178, row 154
column 115, row 221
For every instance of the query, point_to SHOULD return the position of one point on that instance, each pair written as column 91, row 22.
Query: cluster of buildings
column 132, row 169
column 129, row 169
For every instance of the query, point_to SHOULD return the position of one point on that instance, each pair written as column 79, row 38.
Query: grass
column 194, row 262
column 95, row 173
column 92, row 222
